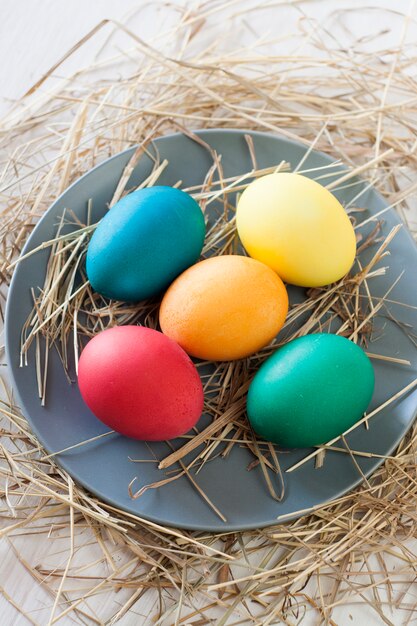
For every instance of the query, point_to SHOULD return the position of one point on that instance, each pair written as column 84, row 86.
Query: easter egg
column 310, row 390
column 224, row 308
column 140, row 383
column 297, row 227
column 143, row 242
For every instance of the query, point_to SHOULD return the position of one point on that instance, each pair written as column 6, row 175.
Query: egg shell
column 140, row 383
column 297, row 227
column 143, row 242
column 224, row 308
column 310, row 390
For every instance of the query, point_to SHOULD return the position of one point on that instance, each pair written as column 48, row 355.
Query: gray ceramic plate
column 104, row 467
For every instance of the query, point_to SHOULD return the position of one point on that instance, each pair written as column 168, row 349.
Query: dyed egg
column 144, row 241
column 224, row 308
column 140, row 383
column 298, row 228
column 310, row 390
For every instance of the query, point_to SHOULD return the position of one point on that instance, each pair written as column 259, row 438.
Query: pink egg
column 140, row 383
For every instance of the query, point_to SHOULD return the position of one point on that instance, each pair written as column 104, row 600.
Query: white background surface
column 34, row 34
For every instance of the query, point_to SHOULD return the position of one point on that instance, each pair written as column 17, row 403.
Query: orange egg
column 224, row 308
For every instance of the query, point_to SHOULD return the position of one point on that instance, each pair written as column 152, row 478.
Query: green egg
column 310, row 390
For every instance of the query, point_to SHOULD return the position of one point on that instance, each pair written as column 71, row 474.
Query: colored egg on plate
column 310, row 390
column 224, row 308
column 298, row 228
column 143, row 242
column 140, row 383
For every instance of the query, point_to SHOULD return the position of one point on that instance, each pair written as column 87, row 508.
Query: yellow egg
column 298, row 228
column 224, row 308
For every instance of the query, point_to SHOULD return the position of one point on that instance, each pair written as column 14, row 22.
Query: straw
column 326, row 90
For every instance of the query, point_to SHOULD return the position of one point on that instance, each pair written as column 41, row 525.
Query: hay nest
column 356, row 106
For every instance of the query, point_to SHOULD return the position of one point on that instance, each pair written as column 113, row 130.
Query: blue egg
column 145, row 241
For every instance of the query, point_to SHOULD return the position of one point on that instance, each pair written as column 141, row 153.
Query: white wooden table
column 33, row 35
